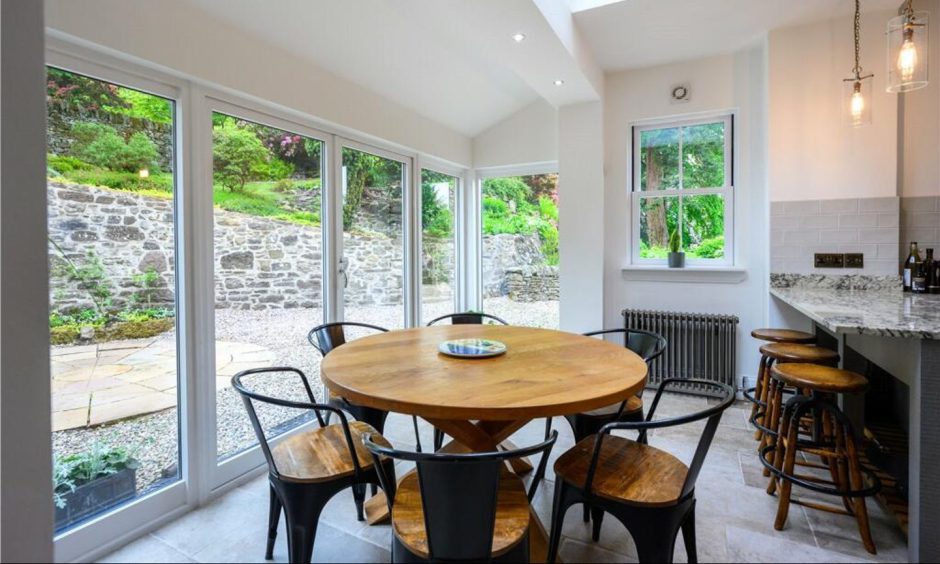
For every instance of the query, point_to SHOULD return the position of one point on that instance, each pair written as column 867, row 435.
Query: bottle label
column 907, row 277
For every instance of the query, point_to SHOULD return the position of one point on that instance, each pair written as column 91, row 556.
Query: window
column 438, row 244
column 683, row 188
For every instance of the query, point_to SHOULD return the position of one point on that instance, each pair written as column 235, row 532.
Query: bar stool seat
column 794, row 352
column 820, row 378
column 783, row 336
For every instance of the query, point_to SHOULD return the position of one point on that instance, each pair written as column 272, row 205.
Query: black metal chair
column 468, row 318
column 325, row 338
column 648, row 490
column 460, row 507
column 308, row 468
column 649, row 346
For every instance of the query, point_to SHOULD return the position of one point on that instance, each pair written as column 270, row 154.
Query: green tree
column 79, row 93
column 437, row 220
column 237, row 153
column 364, row 170
column 101, row 146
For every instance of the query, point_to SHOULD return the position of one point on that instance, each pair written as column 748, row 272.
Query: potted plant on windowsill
column 88, row 482
column 676, row 257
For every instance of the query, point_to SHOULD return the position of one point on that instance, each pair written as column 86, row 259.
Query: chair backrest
column 458, row 492
column 712, row 415
column 249, row 397
column 468, row 318
column 328, row 336
column 646, row 344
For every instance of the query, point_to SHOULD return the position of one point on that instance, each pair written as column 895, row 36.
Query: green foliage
column 273, row 169
column 144, row 106
column 508, row 189
column 74, row 92
column 437, row 219
column 99, row 461
column 265, row 199
column 100, row 145
column 709, row 248
column 149, row 284
column 90, row 276
column 365, row 170
column 64, row 164
column 238, row 156
column 65, row 329
column 124, row 181
column 523, row 206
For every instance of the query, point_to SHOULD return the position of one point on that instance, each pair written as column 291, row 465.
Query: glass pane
column 373, row 250
column 520, row 249
column 659, row 218
column 112, row 300
column 703, row 156
column 659, row 159
column 268, row 268
column 703, row 226
column 438, row 253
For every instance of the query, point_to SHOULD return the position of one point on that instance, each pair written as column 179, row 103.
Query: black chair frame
column 325, row 338
column 654, row 529
column 303, row 502
column 468, row 318
column 447, row 480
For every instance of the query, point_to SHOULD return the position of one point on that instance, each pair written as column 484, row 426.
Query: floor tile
column 147, row 549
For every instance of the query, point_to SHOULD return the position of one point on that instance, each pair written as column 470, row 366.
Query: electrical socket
column 854, row 260
column 829, row 260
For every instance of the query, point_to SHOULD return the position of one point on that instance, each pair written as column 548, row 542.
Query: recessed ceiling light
column 518, row 37
column 559, row 82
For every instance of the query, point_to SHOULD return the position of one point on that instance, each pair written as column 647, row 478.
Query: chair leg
column 274, row 517
column 302, row 507
column 359, row 497
column 414, row 422
column 655, row 540
column 565, row 496
column 856, row 482
column 688, row 537
column 438, row 439
column 760, row 393
column 548, row 427
column 597, row 517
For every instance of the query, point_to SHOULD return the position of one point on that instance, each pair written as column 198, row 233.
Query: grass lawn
column 263, row 199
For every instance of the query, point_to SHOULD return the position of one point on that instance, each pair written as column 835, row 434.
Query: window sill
column 705, row 274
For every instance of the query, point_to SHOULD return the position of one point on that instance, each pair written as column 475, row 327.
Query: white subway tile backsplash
column 802, row 236
column 777, row 209
column 878, row 235
column 920, row 204
column 879, row 205
column 839, row 206
column 889, row 220
column 859, row 220
column 835, row 236
column 805, row 207
column 924, row 219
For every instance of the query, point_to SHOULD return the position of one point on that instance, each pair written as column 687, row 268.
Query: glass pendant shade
column 908, row 50
column 857, row 101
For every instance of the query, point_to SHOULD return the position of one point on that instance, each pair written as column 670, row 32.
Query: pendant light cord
column 858, row 67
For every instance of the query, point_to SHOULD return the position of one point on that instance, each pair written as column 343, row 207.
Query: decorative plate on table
column 472, row 348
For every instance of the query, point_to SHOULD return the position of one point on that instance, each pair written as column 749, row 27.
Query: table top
column 543, row 373
column 886, row 313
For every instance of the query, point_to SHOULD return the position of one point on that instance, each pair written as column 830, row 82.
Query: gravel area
column 283, row 332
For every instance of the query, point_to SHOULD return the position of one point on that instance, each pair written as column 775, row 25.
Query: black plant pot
column 676, row 260
column 96, row 496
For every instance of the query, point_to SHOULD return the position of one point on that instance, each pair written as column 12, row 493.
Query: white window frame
column 202, row 476
column 475, row 203
column 726, row 191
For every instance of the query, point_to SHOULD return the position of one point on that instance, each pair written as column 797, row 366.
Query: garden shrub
column 237, row 156
column 509, row 189
column 119, row 180
column 64, row 335
column 710, row 248
column 100, row 145
column 63, row 164
column 134, row 329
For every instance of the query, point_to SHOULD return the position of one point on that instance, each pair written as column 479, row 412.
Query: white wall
column 528, row 136
column 813, row 155
column 718, row 83
column 25, row 447
column 174, row 34
column 581, row 216
column 919, row 120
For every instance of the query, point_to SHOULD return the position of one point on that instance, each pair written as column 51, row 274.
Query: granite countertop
column 883, row 312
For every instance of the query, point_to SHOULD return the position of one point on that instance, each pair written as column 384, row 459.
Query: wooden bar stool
column 835, row 445
column 766, row 418
column 755, row 395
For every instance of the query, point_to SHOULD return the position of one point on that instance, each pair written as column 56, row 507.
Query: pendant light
column 907, row 50
column 856, row 91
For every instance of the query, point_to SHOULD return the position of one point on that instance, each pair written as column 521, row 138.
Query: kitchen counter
column 886, row 313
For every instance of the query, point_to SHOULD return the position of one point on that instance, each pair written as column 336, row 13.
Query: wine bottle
column 910, row 266
column 933, row 273
column 919, row 281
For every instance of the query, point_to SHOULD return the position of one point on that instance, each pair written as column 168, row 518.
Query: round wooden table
column 481, row 402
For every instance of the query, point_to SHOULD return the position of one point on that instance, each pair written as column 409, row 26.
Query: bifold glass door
column 112, row 244
column 439, row 197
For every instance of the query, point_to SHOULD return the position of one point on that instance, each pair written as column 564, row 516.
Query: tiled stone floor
column 100, row 383
column 734, row 514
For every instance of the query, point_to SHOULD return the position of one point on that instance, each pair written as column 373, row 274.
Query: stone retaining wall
column 259, row 263
column 533, row 283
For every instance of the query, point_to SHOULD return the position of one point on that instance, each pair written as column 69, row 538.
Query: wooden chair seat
column 783, row 336
column 634, row 404
column 627, row 471
column 512, row 514
column 793, row 352
column 323, row 454
column 820, row 378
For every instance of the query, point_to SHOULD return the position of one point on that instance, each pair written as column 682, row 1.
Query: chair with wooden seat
column 649, row 346
column 651, row 492
column 325, row 338
column 307, row 468
column 756, row 393
column 466, row 318
column 834, row 444
column 460, row 507
column 469, row 318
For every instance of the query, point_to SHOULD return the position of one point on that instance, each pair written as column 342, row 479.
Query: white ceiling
column 629, row 34
column 395, row 49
